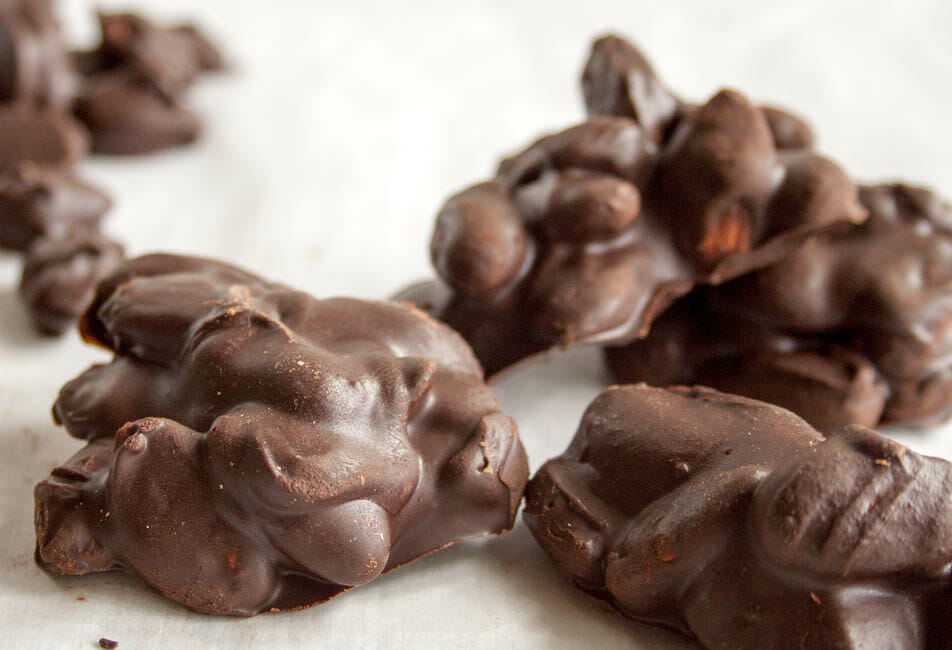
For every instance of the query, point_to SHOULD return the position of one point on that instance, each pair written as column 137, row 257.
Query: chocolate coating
column 734, row 521
column 43, row 137
column 251, row 448
column 589, row 234
column 35, row 69
column 46, row 202
column 60, row 276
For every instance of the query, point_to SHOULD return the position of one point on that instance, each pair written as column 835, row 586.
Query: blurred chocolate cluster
column 57, row 105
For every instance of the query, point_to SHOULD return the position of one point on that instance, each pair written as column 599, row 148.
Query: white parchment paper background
column 329, row 147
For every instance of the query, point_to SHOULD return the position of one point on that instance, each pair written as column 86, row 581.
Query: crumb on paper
column 109, row 644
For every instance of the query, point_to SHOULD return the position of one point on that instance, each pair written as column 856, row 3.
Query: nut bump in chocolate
column 251, row 448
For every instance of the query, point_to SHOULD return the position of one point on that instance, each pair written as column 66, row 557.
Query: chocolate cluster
column 251, row 448
column 734, row 521
column 705, row 243
column 589, row 234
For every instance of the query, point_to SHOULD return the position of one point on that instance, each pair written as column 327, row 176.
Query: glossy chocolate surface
column 736, row 522
column 251, row 448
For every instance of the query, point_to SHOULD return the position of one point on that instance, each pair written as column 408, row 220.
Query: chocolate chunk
column 109, row 644
column 45, row 202
column 822, row 381
column 129, row 117
column 735, row 522
column 43, row 137
column 60, row 277
column 35, row 69
column 251, row 448
column 589, row 234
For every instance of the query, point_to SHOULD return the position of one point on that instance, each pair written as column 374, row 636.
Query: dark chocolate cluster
column 736, row 522
column 251, row 448
column 749, row 262
column 589, row 234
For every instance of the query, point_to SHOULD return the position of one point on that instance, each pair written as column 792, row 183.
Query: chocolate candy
column 43, row 137
column 45, row 202
column 734, row 521
column 60, row 277
column 134, row 80
column 35, row 69
column 590, row 233
column 826, row 383
column 251, row 448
